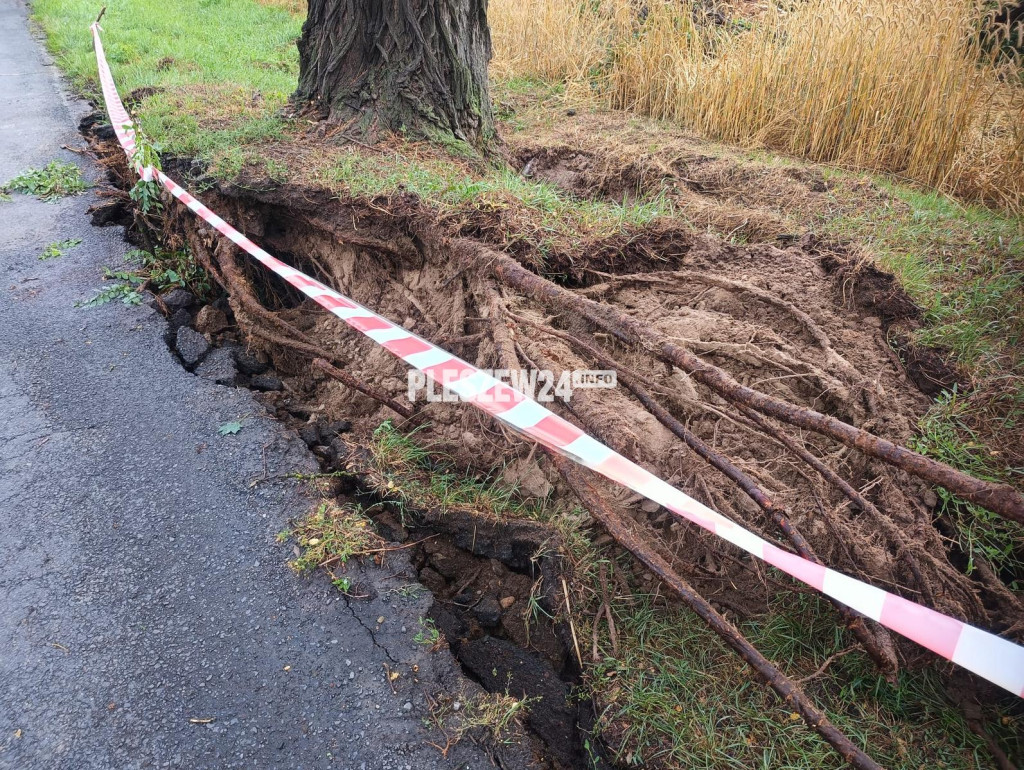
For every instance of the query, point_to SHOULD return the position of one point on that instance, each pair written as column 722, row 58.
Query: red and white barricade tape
column 987, row 655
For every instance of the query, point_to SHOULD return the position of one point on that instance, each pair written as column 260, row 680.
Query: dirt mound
column 600, row 155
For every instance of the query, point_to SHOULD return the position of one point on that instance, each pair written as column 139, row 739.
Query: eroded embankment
column 800, row 323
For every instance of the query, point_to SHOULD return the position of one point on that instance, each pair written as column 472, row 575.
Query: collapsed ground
column 785, row 312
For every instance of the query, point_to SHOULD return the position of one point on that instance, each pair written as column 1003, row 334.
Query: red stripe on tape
column 809, row 572
column 497, row 399
column 448, row 372
column 555, row 431
column 928, row 628
column 368, row 323
column 406, row 346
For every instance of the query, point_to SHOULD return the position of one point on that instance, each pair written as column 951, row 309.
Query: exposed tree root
column 362, row 387
column 788, row 690
column 876, row 640
column 999, row 498
column 676, row 276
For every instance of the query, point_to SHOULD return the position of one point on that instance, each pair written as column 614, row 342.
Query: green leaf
column 230, row 428
column 59, row 248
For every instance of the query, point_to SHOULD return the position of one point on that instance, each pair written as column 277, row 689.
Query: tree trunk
column 417, row 67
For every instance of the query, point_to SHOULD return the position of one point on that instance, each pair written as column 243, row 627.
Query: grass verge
column 963, row 265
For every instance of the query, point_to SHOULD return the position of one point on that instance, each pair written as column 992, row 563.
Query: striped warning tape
column 987, row 655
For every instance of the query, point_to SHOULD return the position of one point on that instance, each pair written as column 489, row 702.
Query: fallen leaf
column 17, row 733
column 793, row 716
column 230, row 428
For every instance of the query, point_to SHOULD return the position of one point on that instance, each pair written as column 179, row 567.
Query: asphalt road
column 141, row 587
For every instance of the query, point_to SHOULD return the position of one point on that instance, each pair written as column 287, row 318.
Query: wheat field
column 897, row 86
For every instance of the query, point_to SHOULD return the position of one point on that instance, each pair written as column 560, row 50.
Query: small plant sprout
column 126, row 288
column 162, row 270
column 429, row 635
column 343, row 584
column 146, row 192
column 59, row 248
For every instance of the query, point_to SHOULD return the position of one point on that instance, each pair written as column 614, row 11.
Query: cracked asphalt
column 147, row 618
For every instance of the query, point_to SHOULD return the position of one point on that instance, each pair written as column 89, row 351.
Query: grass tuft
column 977, row 532
column 412, row 473
column 331, row 534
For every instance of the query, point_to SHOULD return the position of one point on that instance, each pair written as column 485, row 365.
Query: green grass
column 53, row 181
column 162, row 271
column 330, row 536
column 540, row 212
column 946, row 436
column 222, row 125
column 673, row 678
column 963, row 264
column 168, row 45
column 202, row 56
column 412, row 473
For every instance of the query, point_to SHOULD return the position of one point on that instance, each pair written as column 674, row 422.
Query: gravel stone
column 488, row 612
column 219, row 367
column 179, row 318
column 210, row 320
column 179, row 299
column 192, row 347
column 265, row 382
column 250, row 364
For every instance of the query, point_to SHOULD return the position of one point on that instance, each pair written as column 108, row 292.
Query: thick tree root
column 787, row 689
column 362, row 387
column 999, row 498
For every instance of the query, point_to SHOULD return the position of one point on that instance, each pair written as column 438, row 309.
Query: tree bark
column 416, row 67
